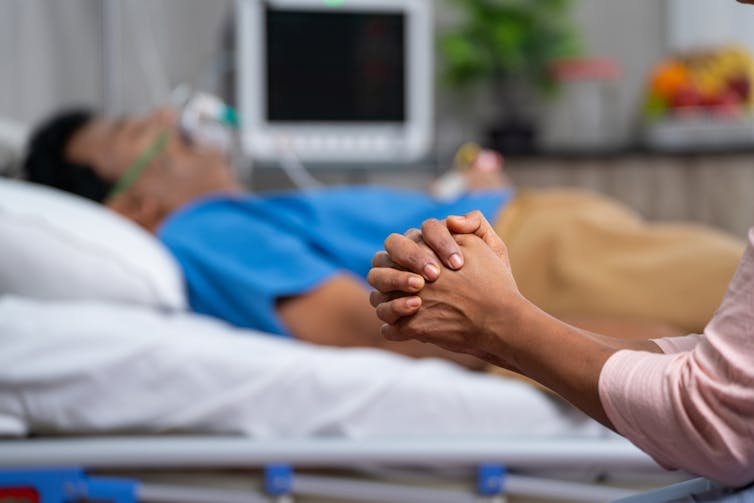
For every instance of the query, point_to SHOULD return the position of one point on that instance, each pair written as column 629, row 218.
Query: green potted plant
column 509, row 47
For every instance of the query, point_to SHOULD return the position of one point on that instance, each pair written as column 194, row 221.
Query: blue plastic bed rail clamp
column 64, row 485
column 111, row 490
column 278, row 479
column 491, row 479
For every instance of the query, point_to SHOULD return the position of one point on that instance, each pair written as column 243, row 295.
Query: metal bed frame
column 490, row 458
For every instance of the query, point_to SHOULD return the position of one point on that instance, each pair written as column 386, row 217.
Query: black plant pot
column 513, row 137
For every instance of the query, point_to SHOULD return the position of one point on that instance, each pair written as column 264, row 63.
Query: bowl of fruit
column 701, row 100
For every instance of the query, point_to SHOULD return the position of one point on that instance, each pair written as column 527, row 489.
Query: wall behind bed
column 51, row 55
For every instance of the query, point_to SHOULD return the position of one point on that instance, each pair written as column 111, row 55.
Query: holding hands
column 449, row 284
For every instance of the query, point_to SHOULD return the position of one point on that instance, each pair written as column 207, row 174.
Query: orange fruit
column 668, row 77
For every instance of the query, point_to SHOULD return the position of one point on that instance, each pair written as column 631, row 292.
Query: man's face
column 110, row 146
column 176, row 175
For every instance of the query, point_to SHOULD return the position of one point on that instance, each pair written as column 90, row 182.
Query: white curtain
column 51, row 52
column 49, row 56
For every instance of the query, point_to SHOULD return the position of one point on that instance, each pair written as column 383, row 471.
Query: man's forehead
column 85, row 139
column 99, row 127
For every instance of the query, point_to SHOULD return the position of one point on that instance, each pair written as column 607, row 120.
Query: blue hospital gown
column 240, row 253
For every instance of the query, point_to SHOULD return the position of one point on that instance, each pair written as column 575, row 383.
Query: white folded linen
column 79, row 366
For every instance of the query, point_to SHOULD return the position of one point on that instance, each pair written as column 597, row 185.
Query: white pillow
column 55, row 245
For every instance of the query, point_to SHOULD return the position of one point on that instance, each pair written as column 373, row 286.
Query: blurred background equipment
column 334, row 81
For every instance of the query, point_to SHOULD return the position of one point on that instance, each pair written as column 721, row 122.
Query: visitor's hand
column 409, row 261
column 465, row 310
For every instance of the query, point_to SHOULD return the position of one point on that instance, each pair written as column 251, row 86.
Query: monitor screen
column 335, row 66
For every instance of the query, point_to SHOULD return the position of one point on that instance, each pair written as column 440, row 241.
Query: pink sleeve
column 694, row 409
column 678, row 344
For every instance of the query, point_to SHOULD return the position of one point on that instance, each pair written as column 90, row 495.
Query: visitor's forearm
column 562, row 357
column 630, row 334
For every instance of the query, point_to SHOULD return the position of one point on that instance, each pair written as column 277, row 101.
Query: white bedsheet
column 73, row 367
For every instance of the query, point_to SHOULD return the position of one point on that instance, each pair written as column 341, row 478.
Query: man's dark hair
column 46, row 163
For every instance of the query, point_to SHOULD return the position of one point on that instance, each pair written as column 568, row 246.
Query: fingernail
column 413, row 302
column 414, row 282
column 431, row 271
column 456, row 261
column 458, row 217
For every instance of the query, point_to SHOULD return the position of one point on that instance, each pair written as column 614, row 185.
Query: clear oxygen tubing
column 293, row 167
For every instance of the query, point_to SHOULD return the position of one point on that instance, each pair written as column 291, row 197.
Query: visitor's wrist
column 510, row 327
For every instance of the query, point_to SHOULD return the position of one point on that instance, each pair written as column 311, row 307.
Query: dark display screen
column 335, row 66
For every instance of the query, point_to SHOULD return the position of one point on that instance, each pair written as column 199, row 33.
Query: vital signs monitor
column 335, row 80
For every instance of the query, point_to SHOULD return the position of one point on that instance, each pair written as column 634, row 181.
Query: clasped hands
column 449, row 284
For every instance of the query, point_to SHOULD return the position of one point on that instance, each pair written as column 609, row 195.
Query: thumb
column 475, row 223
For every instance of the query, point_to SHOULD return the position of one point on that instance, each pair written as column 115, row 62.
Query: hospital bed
column 183, row 383
column 134, row 362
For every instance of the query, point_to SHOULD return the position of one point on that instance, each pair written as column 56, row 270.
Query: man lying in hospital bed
column 96, row 339
column 294, row 263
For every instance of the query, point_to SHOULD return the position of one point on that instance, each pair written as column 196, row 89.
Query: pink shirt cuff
column 670, row 345
column 628, row 392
